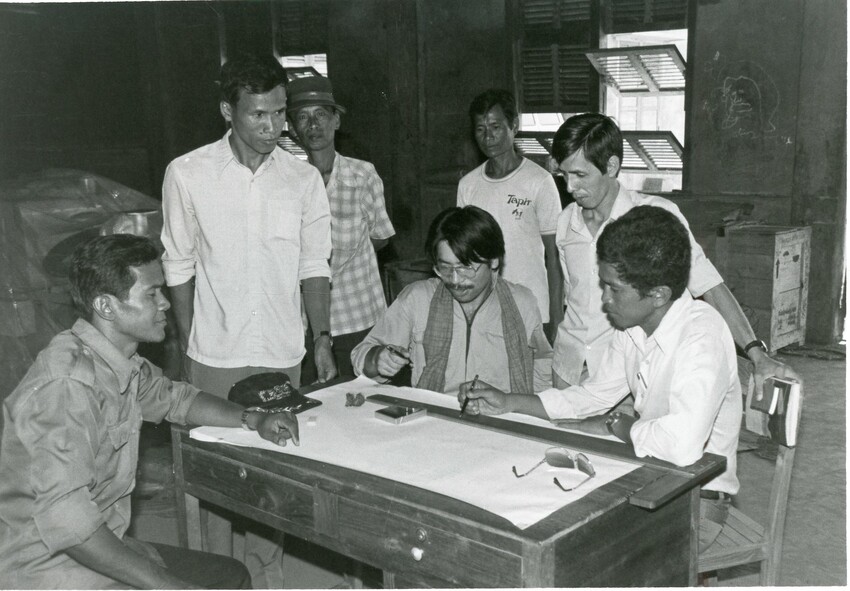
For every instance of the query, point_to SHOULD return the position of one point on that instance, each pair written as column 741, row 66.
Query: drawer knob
column 417, row 553
column 243, row 473
column 421, row 535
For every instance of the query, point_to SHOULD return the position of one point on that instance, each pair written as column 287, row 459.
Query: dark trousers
column 343, row 344
column 210, row 571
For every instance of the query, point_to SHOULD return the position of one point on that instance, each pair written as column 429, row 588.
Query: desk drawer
column 263, row 496
column 409, row 548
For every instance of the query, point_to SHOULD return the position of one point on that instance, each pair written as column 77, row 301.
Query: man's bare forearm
column 183, row 307
column 317, row 303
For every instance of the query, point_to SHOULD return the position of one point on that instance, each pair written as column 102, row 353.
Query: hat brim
column 313, row 103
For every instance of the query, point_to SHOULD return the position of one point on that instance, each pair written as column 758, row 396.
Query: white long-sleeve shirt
column 248, row 239
column 684, row 379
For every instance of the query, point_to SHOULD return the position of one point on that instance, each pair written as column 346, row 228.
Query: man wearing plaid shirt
column 359, row 222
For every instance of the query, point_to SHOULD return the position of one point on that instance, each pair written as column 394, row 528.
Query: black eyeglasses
column 561, row 457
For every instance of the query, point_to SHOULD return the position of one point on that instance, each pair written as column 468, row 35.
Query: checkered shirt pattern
column 358, row 215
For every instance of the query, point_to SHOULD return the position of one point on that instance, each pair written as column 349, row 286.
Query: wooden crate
column 767, row 268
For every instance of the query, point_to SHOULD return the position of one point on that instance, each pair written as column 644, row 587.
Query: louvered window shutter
column 556, row 75
column 631, row 16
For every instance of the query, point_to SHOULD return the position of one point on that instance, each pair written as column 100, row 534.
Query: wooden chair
column 742, row 540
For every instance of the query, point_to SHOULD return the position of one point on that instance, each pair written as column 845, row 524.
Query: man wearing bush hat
column 359, row 222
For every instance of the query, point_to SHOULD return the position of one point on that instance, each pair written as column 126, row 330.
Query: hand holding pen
column 390, row 359
column 479, row 397
column 466, row 399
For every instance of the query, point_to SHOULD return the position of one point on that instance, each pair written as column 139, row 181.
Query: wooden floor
column 815, row 551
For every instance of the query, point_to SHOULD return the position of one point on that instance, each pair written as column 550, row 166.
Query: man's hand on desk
column 278, row 427
column 483, row 398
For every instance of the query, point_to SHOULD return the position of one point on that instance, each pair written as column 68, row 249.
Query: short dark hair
column 251, row 72
column 490, row 98
column 596, row 134
column 649, row 247
column 473, row 235
column 102, row 266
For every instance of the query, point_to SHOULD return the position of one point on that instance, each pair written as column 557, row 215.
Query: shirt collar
column 123, row 368
column 225, row 157
column 668, row 333
column 341, row 170
column 622, row 204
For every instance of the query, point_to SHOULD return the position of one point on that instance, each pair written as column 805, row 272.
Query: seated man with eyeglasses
column 464, row 323
column 674, row 353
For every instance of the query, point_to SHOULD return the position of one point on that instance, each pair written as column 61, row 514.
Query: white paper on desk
column 463, row 462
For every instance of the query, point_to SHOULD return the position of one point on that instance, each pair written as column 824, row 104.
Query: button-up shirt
column 248, row 238
column 585, row 332
column 358, row 215
column 476, row 349
column 69, row 451
column 684, row 378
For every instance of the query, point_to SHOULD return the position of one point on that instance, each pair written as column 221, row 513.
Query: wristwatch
column 756, row 343
column 610, row 421
column 245, row 414
column 325, row 333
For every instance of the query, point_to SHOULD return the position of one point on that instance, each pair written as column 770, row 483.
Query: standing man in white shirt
column 589, row 151
column 522, row 197
column 246, row 227
column 674, row 353
column 359, row 222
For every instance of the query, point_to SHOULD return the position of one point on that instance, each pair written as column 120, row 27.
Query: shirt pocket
column 123, row 438
column 281, row 220
column 346, row 220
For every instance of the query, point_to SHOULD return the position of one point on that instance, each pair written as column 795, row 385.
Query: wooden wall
column 766, row 129
column 113, row 88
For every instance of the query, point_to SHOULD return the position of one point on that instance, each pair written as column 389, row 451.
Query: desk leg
column 389, row 580
column 693, row 555
column 192, row 523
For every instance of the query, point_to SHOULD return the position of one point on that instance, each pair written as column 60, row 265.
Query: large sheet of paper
column 464, row 462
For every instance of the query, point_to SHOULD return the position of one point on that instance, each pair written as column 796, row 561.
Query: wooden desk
column 423, row 539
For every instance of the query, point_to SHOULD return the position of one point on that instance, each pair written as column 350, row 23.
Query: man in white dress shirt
column 674, row 353
column 246, row 227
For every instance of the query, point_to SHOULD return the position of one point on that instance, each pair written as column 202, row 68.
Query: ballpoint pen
column 466, row 400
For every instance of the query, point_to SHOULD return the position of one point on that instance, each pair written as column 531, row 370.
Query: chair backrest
column 775, row 525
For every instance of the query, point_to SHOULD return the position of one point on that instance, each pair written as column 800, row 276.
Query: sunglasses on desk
column 561, row 457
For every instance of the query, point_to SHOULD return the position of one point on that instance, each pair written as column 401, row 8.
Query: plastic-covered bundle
column 44, row 217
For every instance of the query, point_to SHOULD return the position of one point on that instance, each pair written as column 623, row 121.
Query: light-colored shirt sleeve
column 696, row 392
column 394, row 327
column 596, row 395
column 548, row 206
column 315, row 230
column 62, row 438
column 380, row 226
column 542, row 358
column 179, row 230
column 160, row 398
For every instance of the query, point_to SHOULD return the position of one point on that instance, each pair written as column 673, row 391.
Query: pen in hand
column 466, row 400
